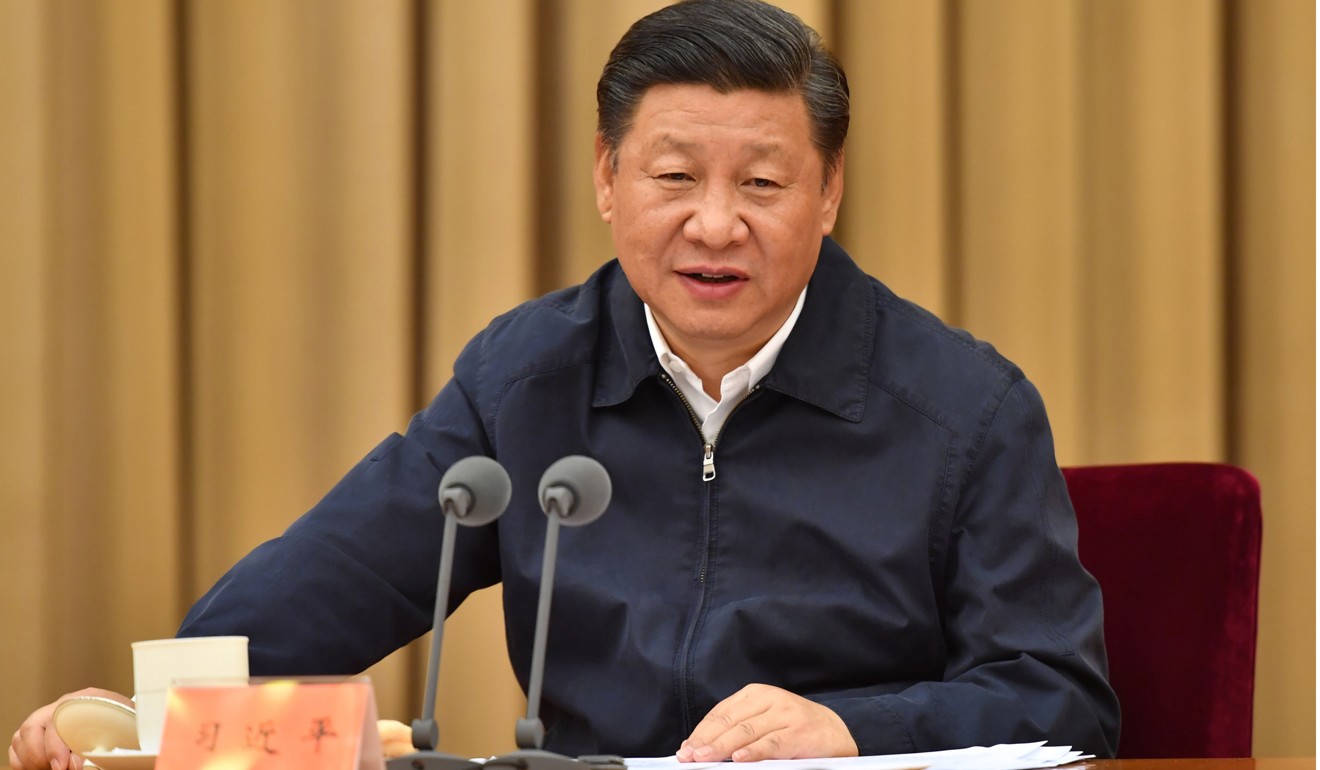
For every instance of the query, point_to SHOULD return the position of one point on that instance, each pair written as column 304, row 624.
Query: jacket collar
column 826, row 360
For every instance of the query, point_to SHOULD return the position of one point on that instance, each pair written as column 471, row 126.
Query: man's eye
column 762, row 183
column 677, row 176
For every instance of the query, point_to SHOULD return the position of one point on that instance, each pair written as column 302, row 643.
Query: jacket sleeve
column 354, row 578
column 1022, row 619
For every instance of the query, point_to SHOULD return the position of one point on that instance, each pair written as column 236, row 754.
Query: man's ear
column 603, row 176
column 832, row 197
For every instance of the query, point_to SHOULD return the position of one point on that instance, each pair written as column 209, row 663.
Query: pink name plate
column 327, row 724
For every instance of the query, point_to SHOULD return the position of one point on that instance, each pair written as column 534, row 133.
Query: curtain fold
column 242, row 242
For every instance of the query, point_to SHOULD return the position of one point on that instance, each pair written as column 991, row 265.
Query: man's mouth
column 712, row 277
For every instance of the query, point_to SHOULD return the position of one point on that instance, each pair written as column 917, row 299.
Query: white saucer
column 89, row 723
column 121, row 759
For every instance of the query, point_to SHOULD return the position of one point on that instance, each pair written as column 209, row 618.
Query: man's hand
column 764, row 722
column 36, row 745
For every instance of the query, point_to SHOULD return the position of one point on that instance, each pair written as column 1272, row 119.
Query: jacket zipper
column 707, row 475
column 707, row 447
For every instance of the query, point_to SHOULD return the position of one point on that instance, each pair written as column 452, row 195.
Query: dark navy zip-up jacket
column 887, row 533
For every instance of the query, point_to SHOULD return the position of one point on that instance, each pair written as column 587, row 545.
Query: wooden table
column 1261, row 763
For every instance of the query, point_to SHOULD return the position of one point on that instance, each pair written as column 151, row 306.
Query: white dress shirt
column 735, row 385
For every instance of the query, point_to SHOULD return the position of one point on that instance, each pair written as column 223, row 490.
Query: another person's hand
column 395, row 738
column 36, row 745
column 764, row 722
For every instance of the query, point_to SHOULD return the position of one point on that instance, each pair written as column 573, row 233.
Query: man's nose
column 717, row 221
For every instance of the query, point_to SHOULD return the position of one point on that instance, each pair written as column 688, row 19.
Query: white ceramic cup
column 160, row 663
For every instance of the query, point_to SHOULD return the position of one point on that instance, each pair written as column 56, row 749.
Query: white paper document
column 1005, row 756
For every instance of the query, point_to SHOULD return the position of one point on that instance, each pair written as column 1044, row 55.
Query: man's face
column 717, row 208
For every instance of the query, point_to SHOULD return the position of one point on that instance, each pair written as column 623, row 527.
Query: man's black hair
column 729, row 45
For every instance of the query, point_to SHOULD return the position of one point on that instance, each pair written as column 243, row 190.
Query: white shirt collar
column 734, row 386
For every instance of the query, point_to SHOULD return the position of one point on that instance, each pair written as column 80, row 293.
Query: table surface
column 1258, row 763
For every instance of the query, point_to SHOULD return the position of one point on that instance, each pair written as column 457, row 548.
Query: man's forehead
column 668, row 141
column 676, row 117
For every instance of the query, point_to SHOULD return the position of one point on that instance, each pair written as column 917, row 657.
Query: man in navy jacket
column 838, row 526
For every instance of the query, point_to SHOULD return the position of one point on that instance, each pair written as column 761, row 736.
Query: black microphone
column 574, row 491
column 474, row 491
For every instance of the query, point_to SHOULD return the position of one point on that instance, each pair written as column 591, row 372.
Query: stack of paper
column 1005, row 756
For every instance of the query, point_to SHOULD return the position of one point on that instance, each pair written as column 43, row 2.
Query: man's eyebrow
column 670, row 142
column 766, row 148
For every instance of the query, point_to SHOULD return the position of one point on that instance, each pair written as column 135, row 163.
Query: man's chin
column 724, row 336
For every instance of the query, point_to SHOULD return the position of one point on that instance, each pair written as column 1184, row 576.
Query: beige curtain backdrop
column 242, row 241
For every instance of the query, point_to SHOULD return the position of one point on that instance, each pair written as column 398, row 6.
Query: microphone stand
column 562, row 505
column 530, row 732
column 426, row 731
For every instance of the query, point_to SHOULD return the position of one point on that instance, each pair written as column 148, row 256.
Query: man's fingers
column 764, row 722
column 28, row 747
column 768, row 746
column 57, row 753
column 37, row 746
column 733, row 723
column 755, row 738
column 735, row 735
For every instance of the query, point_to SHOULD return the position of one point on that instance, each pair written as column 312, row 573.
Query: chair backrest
column 1176, row 550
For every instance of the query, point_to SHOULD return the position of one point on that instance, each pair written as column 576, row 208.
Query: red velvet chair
column 1176, row 549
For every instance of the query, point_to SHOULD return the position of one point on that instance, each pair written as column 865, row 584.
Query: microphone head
column 587, row 483
column 485, row 485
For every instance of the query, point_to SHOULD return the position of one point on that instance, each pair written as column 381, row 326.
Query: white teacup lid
column 89, row 724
